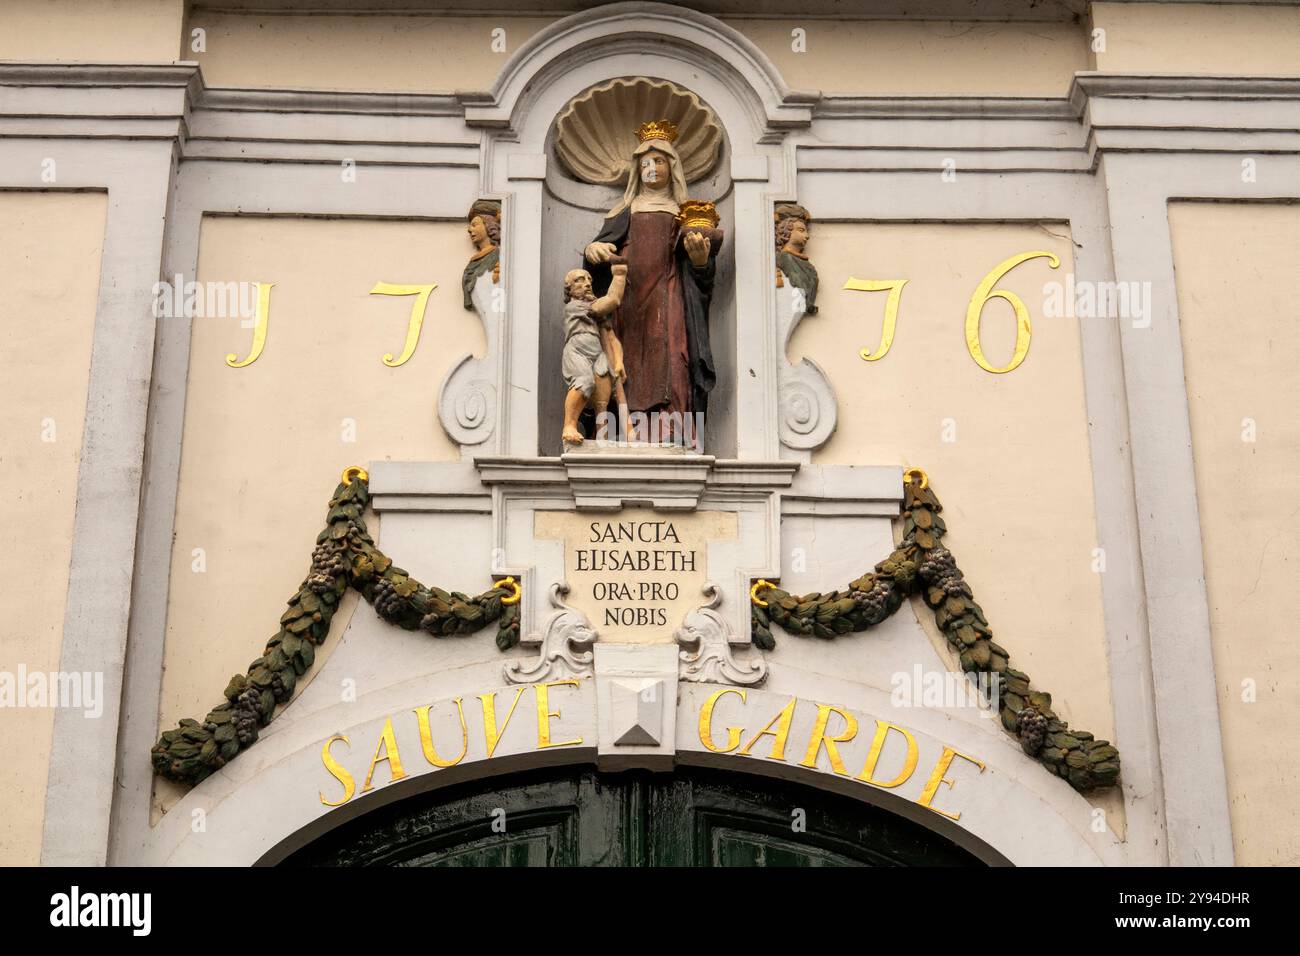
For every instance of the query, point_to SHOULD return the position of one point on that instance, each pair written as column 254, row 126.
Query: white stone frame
column 225, row 184
column 1214, row 123
column 261, row 811
column 1090, row 162
column 119, row 140
column 752, row 103
column 265, row 804
column 1017, row 813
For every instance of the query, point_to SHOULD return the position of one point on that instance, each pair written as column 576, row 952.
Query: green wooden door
column 690, row 818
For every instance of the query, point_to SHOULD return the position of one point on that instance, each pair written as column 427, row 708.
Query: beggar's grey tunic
column 583, row 357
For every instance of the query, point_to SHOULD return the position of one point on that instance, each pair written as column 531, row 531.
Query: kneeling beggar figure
column 593, row 356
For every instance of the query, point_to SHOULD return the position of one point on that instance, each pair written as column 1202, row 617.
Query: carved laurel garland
column 922, row 565
column 345, row 556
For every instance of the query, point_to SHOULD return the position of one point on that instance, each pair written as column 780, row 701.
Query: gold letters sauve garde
column 544, row 715
column 974, row 310
column 388, row 747
column 831, row 726
column 386, row 750
column 492, row 736
column 820, row 739
column 426, row 736
column 338, row 772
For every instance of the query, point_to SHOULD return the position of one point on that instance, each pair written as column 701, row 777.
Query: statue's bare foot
column 571, row 435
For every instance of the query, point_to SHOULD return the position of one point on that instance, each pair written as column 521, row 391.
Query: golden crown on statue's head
column 698, row 214
column 656, row 129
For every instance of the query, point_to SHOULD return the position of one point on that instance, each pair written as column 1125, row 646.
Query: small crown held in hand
column 698, row 214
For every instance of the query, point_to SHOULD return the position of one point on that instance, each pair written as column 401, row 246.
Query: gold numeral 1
column 260, row 323
column 895, row 289
column 983, row 293
column 421, row 292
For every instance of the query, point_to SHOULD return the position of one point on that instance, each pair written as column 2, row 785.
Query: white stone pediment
column 572, row 693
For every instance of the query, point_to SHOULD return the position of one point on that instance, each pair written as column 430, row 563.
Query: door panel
column 578, row 820
column 582, row 818
column 710, row 818
column 740, row 848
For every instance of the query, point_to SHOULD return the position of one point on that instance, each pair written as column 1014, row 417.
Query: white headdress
column 677, row 179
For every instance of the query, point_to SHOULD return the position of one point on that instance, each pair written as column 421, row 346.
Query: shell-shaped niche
column 596, row 133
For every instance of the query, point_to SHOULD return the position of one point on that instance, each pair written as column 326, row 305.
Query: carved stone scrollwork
column 808, row 413
column 565, row 646
column 707, row 641
column 467, row 404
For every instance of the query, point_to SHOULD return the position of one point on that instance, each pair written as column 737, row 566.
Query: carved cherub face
column 655, row 169
column 798, row 235
column 577, row 285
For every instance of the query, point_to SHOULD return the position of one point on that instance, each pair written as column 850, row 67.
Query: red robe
column 665, row 312
column 651, row 323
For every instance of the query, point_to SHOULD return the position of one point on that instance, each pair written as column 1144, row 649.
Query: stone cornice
column 188, row 76
column 846, row 106
column 610, row 479
column 1048, row 10
column 99, row 74
column 1083, row 87
column 317, row 101
column 1110, row 111
column 97, row 101
column 1182, row 86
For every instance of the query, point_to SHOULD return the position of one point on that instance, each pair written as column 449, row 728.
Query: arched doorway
column 571, row 817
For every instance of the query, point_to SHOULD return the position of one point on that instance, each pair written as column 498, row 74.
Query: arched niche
column 573, row 212
column 756, row 111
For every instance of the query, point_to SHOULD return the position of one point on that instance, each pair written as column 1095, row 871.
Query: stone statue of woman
column 663, row 321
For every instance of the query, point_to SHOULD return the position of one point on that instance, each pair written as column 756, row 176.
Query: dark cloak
column 801, row 274
column 696, row 286
column 474, row 269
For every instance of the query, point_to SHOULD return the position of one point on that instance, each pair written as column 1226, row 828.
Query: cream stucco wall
column 374, row 53
column 444, row 53
column 1198, row 38
column 923, row 57
column 95, row 31
column 1241, row 344
column 264, row 445
column 50, row 244
column 1016, row 482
